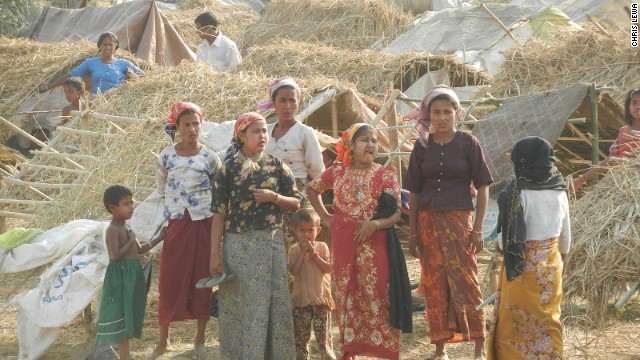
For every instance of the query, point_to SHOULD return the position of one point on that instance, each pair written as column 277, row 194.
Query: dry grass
column 371, row 71
column 154, row 95
column 233, row 19
column 24, row 64
column 355, row 24
column 605, row 253
column 583, row 56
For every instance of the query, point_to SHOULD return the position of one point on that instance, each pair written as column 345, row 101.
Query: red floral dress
column 360, row 270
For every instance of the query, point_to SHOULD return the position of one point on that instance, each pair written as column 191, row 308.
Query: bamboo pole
column 24, row 202
column 385, row 107
column 16, row 215
column 334, row 116
column 595, row 150
column 54, row 168
column 40, row 184
column 67, row 130
column 500, row 23
column 65, row 155
column 38, row 142
column 106, row 117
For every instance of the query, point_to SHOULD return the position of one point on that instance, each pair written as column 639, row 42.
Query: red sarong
column 185, row 260
column 450, row 277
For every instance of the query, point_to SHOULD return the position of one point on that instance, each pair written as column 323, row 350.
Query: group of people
column 225, row 217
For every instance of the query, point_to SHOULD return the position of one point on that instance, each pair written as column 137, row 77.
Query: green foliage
column 16, row 15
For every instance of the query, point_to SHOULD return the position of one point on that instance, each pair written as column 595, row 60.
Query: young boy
column 74, row 93
column 124, row 294
column 309, row 263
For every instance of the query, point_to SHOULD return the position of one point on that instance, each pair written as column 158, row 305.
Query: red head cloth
column 179, row 107
column 266, row 104
column 245, row 120
column 423, row 110
column 343, row 147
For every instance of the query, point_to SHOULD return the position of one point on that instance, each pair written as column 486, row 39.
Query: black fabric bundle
column 401, row 309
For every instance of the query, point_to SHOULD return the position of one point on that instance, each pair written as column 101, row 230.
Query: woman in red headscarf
column 250, row 195
column 185, row 171
column 359, row 244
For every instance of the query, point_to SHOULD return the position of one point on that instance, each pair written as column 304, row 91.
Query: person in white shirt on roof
column 215, row 49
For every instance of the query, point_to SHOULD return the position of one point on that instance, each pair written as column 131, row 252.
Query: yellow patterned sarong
column 526, row 321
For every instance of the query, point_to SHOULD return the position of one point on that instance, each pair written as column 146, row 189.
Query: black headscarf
column 534, row 166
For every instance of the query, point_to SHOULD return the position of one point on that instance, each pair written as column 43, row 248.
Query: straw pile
column 355, row 24
column 586, row 56
column 233, row 19
column 24, row 64
column 605, row 253
column 129, row 158
column 371, row 71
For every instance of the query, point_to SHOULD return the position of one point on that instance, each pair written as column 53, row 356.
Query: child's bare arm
column 114, row 239
column 323, row 264
column 151, row 244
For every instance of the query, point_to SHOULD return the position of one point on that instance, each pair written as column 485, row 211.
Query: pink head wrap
column 179, row 107
column 424, row 122
column 243, row 121
column 266, row 104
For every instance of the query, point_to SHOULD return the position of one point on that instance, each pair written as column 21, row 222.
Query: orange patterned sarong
column 449, row 277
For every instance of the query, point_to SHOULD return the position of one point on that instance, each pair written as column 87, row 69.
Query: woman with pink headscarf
column 185, row 171
column 445, row 169
column 251, row 193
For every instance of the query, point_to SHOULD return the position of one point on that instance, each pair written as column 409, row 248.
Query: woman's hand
column 415, row 248
column 328, row 219
column 477, row 242
column 365, row 230
column 264, row 196
column 215, row 264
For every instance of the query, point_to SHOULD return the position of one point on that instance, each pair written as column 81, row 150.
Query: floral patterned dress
column 256, row 320
column 360, row 269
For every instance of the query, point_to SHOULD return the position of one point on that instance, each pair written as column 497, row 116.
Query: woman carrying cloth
column 359, row 245
column 444, row 169
column 536, row 233
column 250, row 195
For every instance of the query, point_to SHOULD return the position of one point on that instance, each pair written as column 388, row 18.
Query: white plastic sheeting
column 65, row 288
column 46, row 247
column 474, row 37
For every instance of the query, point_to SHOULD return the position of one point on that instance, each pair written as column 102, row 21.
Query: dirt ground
column 619, row 341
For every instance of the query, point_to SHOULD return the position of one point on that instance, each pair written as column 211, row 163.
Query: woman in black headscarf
column 536, row 234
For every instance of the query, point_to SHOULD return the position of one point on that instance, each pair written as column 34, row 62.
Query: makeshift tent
column 545, row 114
column 457, row 31
column 609, row 11
column 334, row 110
column 141, row 29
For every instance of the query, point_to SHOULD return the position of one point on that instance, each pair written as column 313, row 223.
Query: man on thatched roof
column 216, row 49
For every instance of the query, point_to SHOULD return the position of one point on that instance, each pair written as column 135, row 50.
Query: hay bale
column 355, row 24
column 605, row 253
column 24, row 64
column 371, row 71
column 583, row 56
column 233, row 19
column 222, row 96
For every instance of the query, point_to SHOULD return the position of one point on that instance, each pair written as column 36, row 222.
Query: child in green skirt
column 124, row 293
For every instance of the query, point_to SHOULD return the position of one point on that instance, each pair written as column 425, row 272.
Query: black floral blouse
column 234, row 197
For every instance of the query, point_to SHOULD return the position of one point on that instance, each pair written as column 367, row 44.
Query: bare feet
column 199, row 352
column 159, row 350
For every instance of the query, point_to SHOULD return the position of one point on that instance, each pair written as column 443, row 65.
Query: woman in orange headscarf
column 359, row 244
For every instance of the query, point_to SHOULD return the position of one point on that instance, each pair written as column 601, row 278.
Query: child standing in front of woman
column 310, row 265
